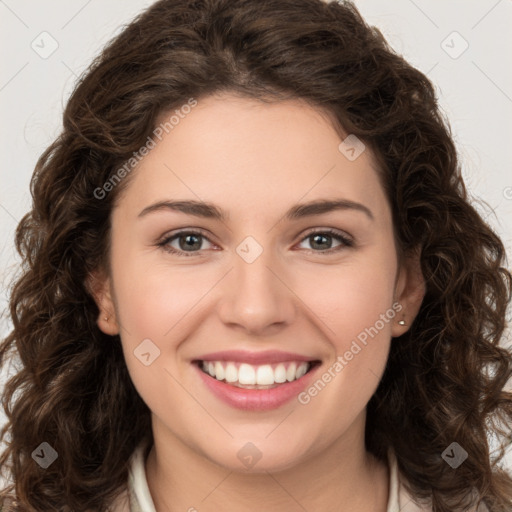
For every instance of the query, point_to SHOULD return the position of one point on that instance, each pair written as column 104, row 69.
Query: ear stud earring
column 401, row 322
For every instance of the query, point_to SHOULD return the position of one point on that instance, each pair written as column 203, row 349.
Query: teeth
column 219, row 371
column 246, row 374
column 264, row 375
column 291, row 372
column 280, row 374
column 231, row 373
column 251, row 375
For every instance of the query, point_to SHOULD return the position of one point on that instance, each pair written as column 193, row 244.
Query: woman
column 188, row 343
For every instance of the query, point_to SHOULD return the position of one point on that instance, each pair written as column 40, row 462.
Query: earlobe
column 410, row 290
column 99, row 287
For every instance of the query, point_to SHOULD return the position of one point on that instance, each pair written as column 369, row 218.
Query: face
column 275, row 289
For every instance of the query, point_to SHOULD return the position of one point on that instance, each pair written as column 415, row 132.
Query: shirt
column 137, row 498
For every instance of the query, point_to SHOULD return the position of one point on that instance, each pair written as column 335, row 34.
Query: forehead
column 247, row 154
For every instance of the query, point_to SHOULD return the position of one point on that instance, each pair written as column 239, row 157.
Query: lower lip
column 256, row 399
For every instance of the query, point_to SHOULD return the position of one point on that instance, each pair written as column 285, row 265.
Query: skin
column 256, row 160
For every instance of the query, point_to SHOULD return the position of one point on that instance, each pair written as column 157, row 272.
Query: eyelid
column 164, row 240
column 192, row 231
column 331, row 231
column 347, row 241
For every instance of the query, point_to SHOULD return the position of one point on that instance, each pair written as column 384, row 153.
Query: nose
column 256, row 297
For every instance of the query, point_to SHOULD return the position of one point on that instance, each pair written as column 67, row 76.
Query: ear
column 99, row 286
column 410, row 290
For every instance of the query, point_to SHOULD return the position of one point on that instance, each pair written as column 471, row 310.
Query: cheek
column 155, row 303
column 351, row 297
column 357, row 310
column 153, row 298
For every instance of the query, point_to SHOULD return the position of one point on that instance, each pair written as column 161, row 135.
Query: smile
column 248, row 376
column 252, row 387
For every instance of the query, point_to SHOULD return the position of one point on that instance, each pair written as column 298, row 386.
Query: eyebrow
column 298, row 211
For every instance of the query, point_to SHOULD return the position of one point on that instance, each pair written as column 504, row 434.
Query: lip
column 256, row 399
column 255, row 358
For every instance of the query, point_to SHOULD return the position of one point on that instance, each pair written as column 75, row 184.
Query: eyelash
column 345, row 241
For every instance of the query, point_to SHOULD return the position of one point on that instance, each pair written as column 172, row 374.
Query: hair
column 445, row 378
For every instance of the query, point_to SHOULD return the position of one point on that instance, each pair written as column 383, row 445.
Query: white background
column 475, row 88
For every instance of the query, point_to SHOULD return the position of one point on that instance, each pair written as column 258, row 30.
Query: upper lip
column 251, row 357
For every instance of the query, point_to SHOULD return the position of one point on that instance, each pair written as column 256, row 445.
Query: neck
column 342, row 476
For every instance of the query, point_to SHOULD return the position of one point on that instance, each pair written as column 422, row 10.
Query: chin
column 253, row 457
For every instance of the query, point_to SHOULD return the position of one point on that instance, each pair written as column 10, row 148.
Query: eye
column 190, row 242
column 187, row 242
column 324, row 237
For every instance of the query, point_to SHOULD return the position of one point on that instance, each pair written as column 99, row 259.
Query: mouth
column 252, row 387
column 250, row 376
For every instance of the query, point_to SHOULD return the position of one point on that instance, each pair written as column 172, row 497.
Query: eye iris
column 188, row 244
column 318, row 236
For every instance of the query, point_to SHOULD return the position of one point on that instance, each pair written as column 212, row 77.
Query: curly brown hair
column 445, row 379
